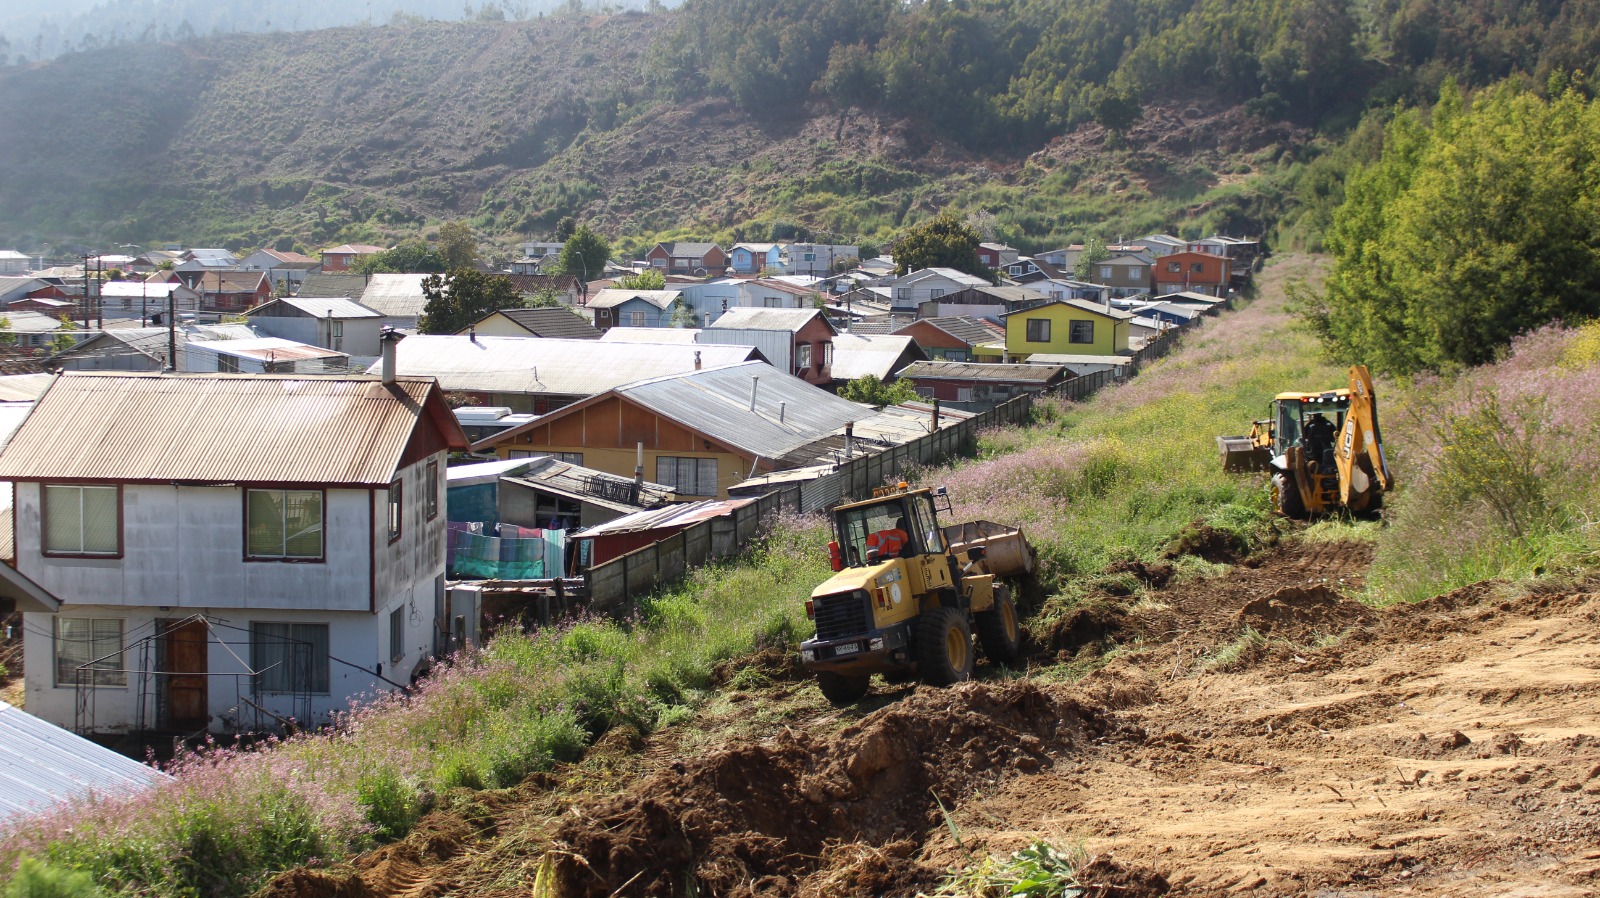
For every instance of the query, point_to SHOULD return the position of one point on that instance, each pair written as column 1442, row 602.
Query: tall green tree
column 648, row 279
column 463, row 296
column 458, row 246
column 584, row 254
column 1466, row 232
column 1094, row 250
column 943, row 241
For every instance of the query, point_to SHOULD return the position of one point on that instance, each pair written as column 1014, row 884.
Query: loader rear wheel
column 998, row 630
column 1286, row 495
column 944, row 647
column 840, row 689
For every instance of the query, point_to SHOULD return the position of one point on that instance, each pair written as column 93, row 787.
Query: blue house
column 752, row 258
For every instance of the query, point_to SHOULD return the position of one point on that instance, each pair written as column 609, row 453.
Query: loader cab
column 1291, row 411
column 856, row 522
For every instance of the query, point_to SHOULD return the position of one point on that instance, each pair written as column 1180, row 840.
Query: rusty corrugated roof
column 224, row 428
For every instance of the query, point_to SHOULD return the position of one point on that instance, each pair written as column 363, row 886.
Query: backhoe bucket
column 1242, row 454
column 1007, row 553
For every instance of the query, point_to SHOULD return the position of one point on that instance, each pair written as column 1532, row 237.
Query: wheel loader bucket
column 1242, row 454
column 1007, row 553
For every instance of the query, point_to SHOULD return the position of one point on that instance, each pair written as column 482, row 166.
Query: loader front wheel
column 1286, row 496
column 998, row 630
column 944, row 647
column 840, row 689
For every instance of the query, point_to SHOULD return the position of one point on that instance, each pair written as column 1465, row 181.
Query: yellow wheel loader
column 1324, row 450
column 908, row 594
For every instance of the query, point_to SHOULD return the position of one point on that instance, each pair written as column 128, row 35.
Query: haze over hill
column 732, row 118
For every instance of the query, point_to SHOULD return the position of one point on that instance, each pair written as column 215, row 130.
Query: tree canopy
column 407, row 257
column 458, row 246
column 872, row 391
column 584, row 254
column 943, row 241
column 648, row 279
column 462, row 297
column 1468, row 230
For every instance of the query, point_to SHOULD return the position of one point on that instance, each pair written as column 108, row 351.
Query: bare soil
column 1255, row 733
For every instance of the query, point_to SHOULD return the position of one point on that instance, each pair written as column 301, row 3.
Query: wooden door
column 184, row 657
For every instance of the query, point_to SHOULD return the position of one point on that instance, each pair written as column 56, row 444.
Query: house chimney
column 936, row 413
column 472, row 332
column 638, row 473
column 849, row 438
column 388, row 340
column 782, row 408
column 697, row 360
column 755, row 382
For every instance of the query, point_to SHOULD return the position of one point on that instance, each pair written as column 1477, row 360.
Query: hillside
column 703, row 121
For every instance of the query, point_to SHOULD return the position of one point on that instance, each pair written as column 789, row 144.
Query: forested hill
column 731, row 117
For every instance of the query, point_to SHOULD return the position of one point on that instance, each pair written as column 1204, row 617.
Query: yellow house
column 1067, row 326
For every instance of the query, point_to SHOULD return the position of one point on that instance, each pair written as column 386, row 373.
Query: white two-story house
column 229, row 552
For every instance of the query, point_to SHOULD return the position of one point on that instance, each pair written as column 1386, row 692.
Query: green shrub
column 36, row 879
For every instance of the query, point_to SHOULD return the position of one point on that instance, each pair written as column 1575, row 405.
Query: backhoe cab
column 1324, row 450
column 908, row 594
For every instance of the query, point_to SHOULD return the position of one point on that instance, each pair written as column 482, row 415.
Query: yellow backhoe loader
column 1324, row 450
column 908, row 594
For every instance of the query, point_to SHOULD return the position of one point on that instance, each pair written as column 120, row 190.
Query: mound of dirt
column 1153, row 576
column 1299, row 613
column 1208, row 543
column 1089, row 624
column 759, row 818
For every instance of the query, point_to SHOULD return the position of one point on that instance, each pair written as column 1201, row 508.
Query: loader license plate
column 847, row 649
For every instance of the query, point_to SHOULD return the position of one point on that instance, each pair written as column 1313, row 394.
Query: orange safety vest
column 888, row 542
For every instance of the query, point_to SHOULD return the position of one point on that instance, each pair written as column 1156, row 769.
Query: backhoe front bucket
column 1007, row 553
column 1242, row 454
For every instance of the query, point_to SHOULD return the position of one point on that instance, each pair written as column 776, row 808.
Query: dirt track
column 1447, row 748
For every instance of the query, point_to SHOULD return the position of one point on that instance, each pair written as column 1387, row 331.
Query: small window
column 227, row 364
column 394, row 511
column 1174, row 267
column 1038, row 330
column 289, row 657
column 1105, row 272
column 397, row 635
column 283, row 524
column 81, row 641
column 82, row 520
column 1081, row 332
column 636, row 319
column 1135, row 272
column 802, row 356
column 571, row 458
column 935, row 292
column 1197, row 267
column 811, row 257
column 433, row 490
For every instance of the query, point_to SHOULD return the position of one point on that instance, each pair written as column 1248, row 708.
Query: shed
column 618, row 537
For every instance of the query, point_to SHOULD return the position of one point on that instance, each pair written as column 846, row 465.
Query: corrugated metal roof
column 268, row 349
column 394, row 295
column 1083, row 305
column 612, row 296
column 1061, row 358
column 555, row 321
column 857, row 355
column 966, row 328
column 678, row 335
column 223, row 428
column 982, row 371
column 716, row 402
column 763, row 319
column 546, row 366
column 42, row 764
column 323, row 307
column 24, row 387
column 1190, row 296
column 152, row 341
column 669, row 516
column 137, row 289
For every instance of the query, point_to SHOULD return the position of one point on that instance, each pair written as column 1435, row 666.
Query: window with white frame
column 1105, row 272
column 636, row 319
column 283, row 524
column 1135, row 272
column 687, row 476
column 802, row 356
column 289, row 657
column 93, row 644
column 394, row 511
column 1081, row 332
column 82, row 520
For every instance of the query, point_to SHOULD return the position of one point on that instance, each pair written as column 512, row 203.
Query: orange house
column 1195, row 272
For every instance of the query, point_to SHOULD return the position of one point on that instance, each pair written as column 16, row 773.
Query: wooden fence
column 613, row 585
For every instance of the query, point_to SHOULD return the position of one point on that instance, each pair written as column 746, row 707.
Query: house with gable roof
column 696, row 259
column 1067, row 326
column 229, row 591
column 337, row 259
